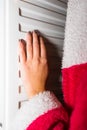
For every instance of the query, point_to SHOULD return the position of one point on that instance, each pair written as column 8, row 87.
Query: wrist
column 33, row 93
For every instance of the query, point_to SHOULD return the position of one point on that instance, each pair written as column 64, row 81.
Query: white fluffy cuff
column 35, row 107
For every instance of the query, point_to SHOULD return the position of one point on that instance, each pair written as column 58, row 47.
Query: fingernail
column 29, row 32
column 35, row 31
column 20, row 40
column 38, row 33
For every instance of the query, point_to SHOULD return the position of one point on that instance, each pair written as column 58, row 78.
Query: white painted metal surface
column 49, row 18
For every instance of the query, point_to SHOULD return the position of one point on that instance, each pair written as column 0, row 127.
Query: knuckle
column 44, row 61
column 37, row 60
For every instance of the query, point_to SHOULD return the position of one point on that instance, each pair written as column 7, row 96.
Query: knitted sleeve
column 55, row 119
column 42, row 112
column 74, row 67
column 74, row 62
column 78, row 120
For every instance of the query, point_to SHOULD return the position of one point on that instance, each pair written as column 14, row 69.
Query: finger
column 36, row 48
column 22, row 51
column 43, row 48
column 29, row 45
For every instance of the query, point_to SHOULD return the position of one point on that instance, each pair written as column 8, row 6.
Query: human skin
column 33, row 63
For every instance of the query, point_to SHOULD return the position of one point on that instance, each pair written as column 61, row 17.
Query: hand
column 33, row 63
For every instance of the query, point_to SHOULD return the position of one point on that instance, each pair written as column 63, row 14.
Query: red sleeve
column 79, row 115
column 56, row 119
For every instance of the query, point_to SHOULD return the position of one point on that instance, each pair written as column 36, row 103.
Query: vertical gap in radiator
column 19, row 11
column 19, row 105
column 19, row 74
column 19, row 27
column 19, row 89
column 0, row 124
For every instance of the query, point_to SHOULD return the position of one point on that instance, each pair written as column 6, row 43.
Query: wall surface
column 2, row 63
